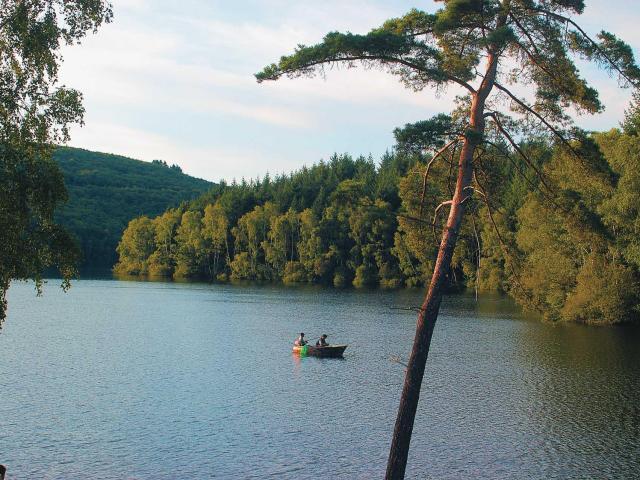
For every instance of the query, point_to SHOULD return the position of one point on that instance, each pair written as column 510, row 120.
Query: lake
column 151, row 380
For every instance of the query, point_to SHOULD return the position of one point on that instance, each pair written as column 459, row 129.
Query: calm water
column 161, row 380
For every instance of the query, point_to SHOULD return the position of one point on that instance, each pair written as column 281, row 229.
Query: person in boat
column 300, row 342
column 322, row 342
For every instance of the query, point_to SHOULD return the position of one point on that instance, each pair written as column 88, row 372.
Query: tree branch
column 551, row 195
column 525, row 32
column 513, row 162
column 531, row 56
column 473, row 189
column 450, row 174
column 396, row 358
column 567, row 20
column 478, row 252
column 520, row 152
column 435, row 215
column 426, row 173
column 538, row 116
column 435, row 212
column 437, row 209
column 503, row 245
column 383, row 59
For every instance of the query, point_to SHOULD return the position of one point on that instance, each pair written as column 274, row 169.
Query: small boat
column 328, row 351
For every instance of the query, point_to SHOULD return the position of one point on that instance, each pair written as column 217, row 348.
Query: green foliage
column 631, row 123
column 162, row 260
column 606, row 292
column 35, row 113
column 551, row 262
column 420, row 136
column 446, row 47
column 571, row 255
column 190, row 253
column 482, row 46
column 106, row 191
column 136, row 246
column 269, row 230
column 215, row 231
column 250, row 237
column 621, row 211
column 309, row 247
column 280, row 249
column 294, row 272
column 578, row 254
column 609, row 51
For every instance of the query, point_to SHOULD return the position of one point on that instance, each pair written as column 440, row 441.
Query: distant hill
column 106, row 191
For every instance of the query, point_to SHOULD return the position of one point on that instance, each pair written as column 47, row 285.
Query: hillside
column 106, row 191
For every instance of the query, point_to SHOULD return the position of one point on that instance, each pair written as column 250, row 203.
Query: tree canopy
column 35, row 114
column 106, row 191
column 353, row 222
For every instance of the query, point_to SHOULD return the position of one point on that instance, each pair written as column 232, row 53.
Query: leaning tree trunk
column 426, row 322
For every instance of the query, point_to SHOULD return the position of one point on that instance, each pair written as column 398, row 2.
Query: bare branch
column 520, row 152
column 450, row 174
column 437, row 209
column 435, row 215
column 478, row 253
column 435, row 212
column 407, row 309
column 525, row 32
column 396, row 359
column 551, row 193
column 426, row 173
column 503, row 245
column 540, row 117
column 420, row 33
column 513, row 162
column 531, row 56
column 470, row 187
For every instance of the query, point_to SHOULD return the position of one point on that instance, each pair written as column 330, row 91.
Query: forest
column 105, row 191
column 561, row 238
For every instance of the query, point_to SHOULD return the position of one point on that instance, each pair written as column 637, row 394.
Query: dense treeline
column 562, row 239
column 106, row 191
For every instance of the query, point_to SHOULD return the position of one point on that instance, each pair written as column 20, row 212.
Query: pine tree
column 631, row 124
column 480, row 46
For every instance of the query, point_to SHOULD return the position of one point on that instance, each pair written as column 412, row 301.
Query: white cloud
column 196, row 59
column 204, row 162
column 136, row 68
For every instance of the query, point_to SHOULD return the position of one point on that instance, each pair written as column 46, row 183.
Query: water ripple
column 159, row 381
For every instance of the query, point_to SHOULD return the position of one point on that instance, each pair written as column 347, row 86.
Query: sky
column 175, row 81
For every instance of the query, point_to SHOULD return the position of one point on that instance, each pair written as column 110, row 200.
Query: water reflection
column 583, row 397
column 199, row 377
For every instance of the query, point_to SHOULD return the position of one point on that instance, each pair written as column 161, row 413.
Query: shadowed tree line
column 574, row 256
column 106, row 191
